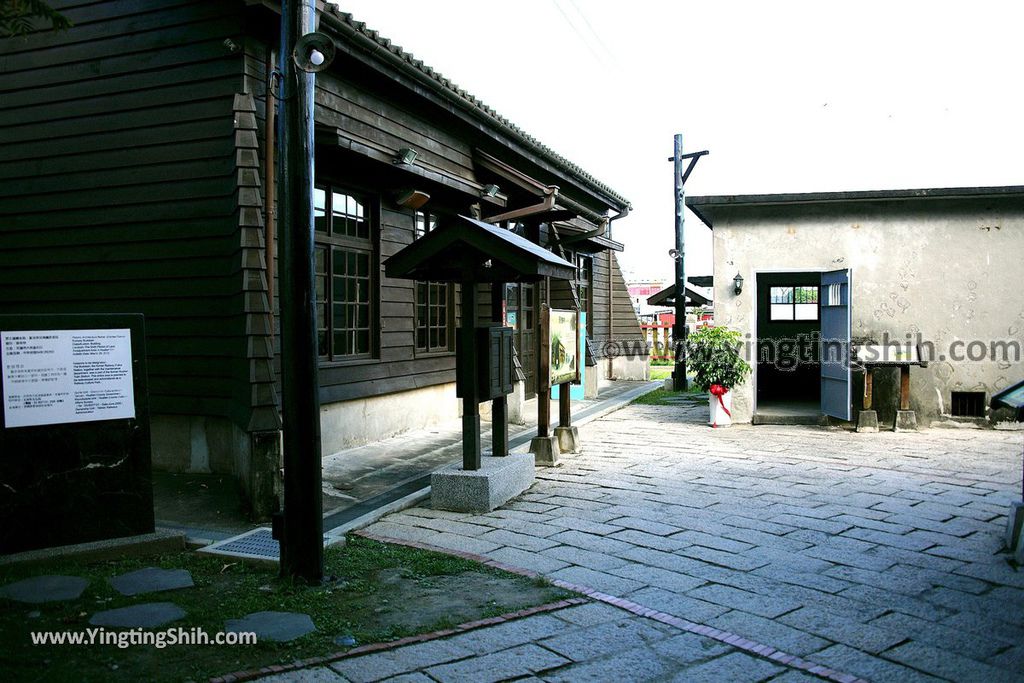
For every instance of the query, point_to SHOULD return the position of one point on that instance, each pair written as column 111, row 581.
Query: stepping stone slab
column 146, row 615
column 151, row 580
column 50, row 588
column 276, row 626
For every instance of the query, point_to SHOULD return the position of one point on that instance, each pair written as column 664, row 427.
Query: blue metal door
column 835, row 344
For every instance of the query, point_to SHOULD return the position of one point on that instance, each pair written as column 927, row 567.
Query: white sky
column 787, row 96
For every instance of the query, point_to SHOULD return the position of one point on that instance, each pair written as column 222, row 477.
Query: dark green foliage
column 713, row 356
column 18, row 17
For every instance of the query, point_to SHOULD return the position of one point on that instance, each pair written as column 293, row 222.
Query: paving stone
column 761, row 605
column 511, row 633
column 941, row 662
column 770, row 632
column 711, row 541
column 662, row 578
column 689, row 648
column 592, row 542
column 736, row 667
column 590, row 614
column 147, row 615
column 49, row 588
column 584, row 558
column 273, row 626
column 724, row 559
column 907, row 542
column 517, row 540
column 644, row 525
column 683, row 606
column 835, row 627
column 505, row 664
column 851, row 661
column 801, row 522
column 606, row 583
column 851, row 558
column 929, row 633
column 315, row 675
column 869, row 595
column 646, row 540
column 639, row 664
column 785, row 574
column 527, row 560
column 151, row 580
column 591, row 643
column 378, row 666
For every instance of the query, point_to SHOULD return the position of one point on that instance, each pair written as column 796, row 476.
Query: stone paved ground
column 874, row 554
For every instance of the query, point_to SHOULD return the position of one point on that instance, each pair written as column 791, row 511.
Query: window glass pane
column 782, row 311
column 806, row 295
column 806, row 311
column 321, row 342
column 420, row 225
column 782, row 295
column 320, row 209
column 421, row 338
column 363, row 341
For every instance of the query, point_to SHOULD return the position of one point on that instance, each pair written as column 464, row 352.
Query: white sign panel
column 62, row 376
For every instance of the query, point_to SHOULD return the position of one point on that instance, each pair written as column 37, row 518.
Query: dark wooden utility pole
column 679, row 254
column 302, row 553
column 679, row 329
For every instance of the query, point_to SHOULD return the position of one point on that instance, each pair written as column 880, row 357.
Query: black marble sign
column 80, row 481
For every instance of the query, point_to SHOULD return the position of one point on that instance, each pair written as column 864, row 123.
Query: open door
column 836, row 383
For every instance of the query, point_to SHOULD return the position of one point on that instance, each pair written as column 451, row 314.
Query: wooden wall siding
column 625, row 324
column 257, row 373
column 118, row 187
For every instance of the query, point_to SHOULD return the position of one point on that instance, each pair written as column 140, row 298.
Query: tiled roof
column 536, row 145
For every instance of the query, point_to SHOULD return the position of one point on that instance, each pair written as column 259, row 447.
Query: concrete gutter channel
column 414, row 490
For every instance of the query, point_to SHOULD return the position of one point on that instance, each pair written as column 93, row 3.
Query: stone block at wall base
column 906, row 421
column 545, row 450
column 498, row 480
column 867, row 421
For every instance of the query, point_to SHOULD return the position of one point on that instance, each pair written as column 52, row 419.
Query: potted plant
column 712, row 353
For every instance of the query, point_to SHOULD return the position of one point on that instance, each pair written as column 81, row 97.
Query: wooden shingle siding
column 118, row 186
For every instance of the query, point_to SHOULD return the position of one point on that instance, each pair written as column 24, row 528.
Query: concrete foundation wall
column 188, row 443
column 636, row 368
column 950, row 276
column 353, row 423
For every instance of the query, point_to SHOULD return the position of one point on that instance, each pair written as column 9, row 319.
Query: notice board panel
column 75, row 455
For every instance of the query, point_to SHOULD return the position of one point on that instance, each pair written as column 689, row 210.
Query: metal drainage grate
column 257, row 544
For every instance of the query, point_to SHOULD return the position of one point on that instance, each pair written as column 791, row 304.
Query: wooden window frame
column 424, row 222
column 793, row 304
column 585, row 287
column 332, row 243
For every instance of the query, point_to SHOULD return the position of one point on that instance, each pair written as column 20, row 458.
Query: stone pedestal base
column 568, row 439
column 1014, row 527
column 906, row 421
column 867, row 421
column 545, row 450
column 496, row 482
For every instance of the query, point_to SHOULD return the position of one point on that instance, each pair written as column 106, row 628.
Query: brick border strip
column 737, row 641
column 391, row 644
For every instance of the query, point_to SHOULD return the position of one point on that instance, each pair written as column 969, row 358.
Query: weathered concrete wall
column 353, row 423
column 951, row 273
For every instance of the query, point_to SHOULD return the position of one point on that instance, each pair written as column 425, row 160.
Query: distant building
column 944, row 264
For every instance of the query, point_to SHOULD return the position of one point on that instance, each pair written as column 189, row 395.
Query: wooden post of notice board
column 544, row 446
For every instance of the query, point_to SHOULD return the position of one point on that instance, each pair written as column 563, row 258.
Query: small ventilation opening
column 968, row 404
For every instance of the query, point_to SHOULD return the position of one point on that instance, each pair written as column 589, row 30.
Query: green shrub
column 712, row 354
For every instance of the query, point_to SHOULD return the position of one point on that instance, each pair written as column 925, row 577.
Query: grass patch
column 381, row 592
column 668, row 397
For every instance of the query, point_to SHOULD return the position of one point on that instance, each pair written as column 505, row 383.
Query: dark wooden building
column 135, row 177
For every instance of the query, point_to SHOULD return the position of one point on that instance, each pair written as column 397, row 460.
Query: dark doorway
column 788, row 333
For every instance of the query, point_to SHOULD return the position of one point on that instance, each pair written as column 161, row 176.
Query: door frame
column 754, row 319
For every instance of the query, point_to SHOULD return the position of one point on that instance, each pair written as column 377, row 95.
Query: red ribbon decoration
column 719, row 391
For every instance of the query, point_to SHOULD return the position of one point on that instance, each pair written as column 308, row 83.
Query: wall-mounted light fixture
column 674, row 254
column 412, row 199
column 314, row 52
column 737, row 283
column 232, row 46
column 406, row 156
column 490, row 190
